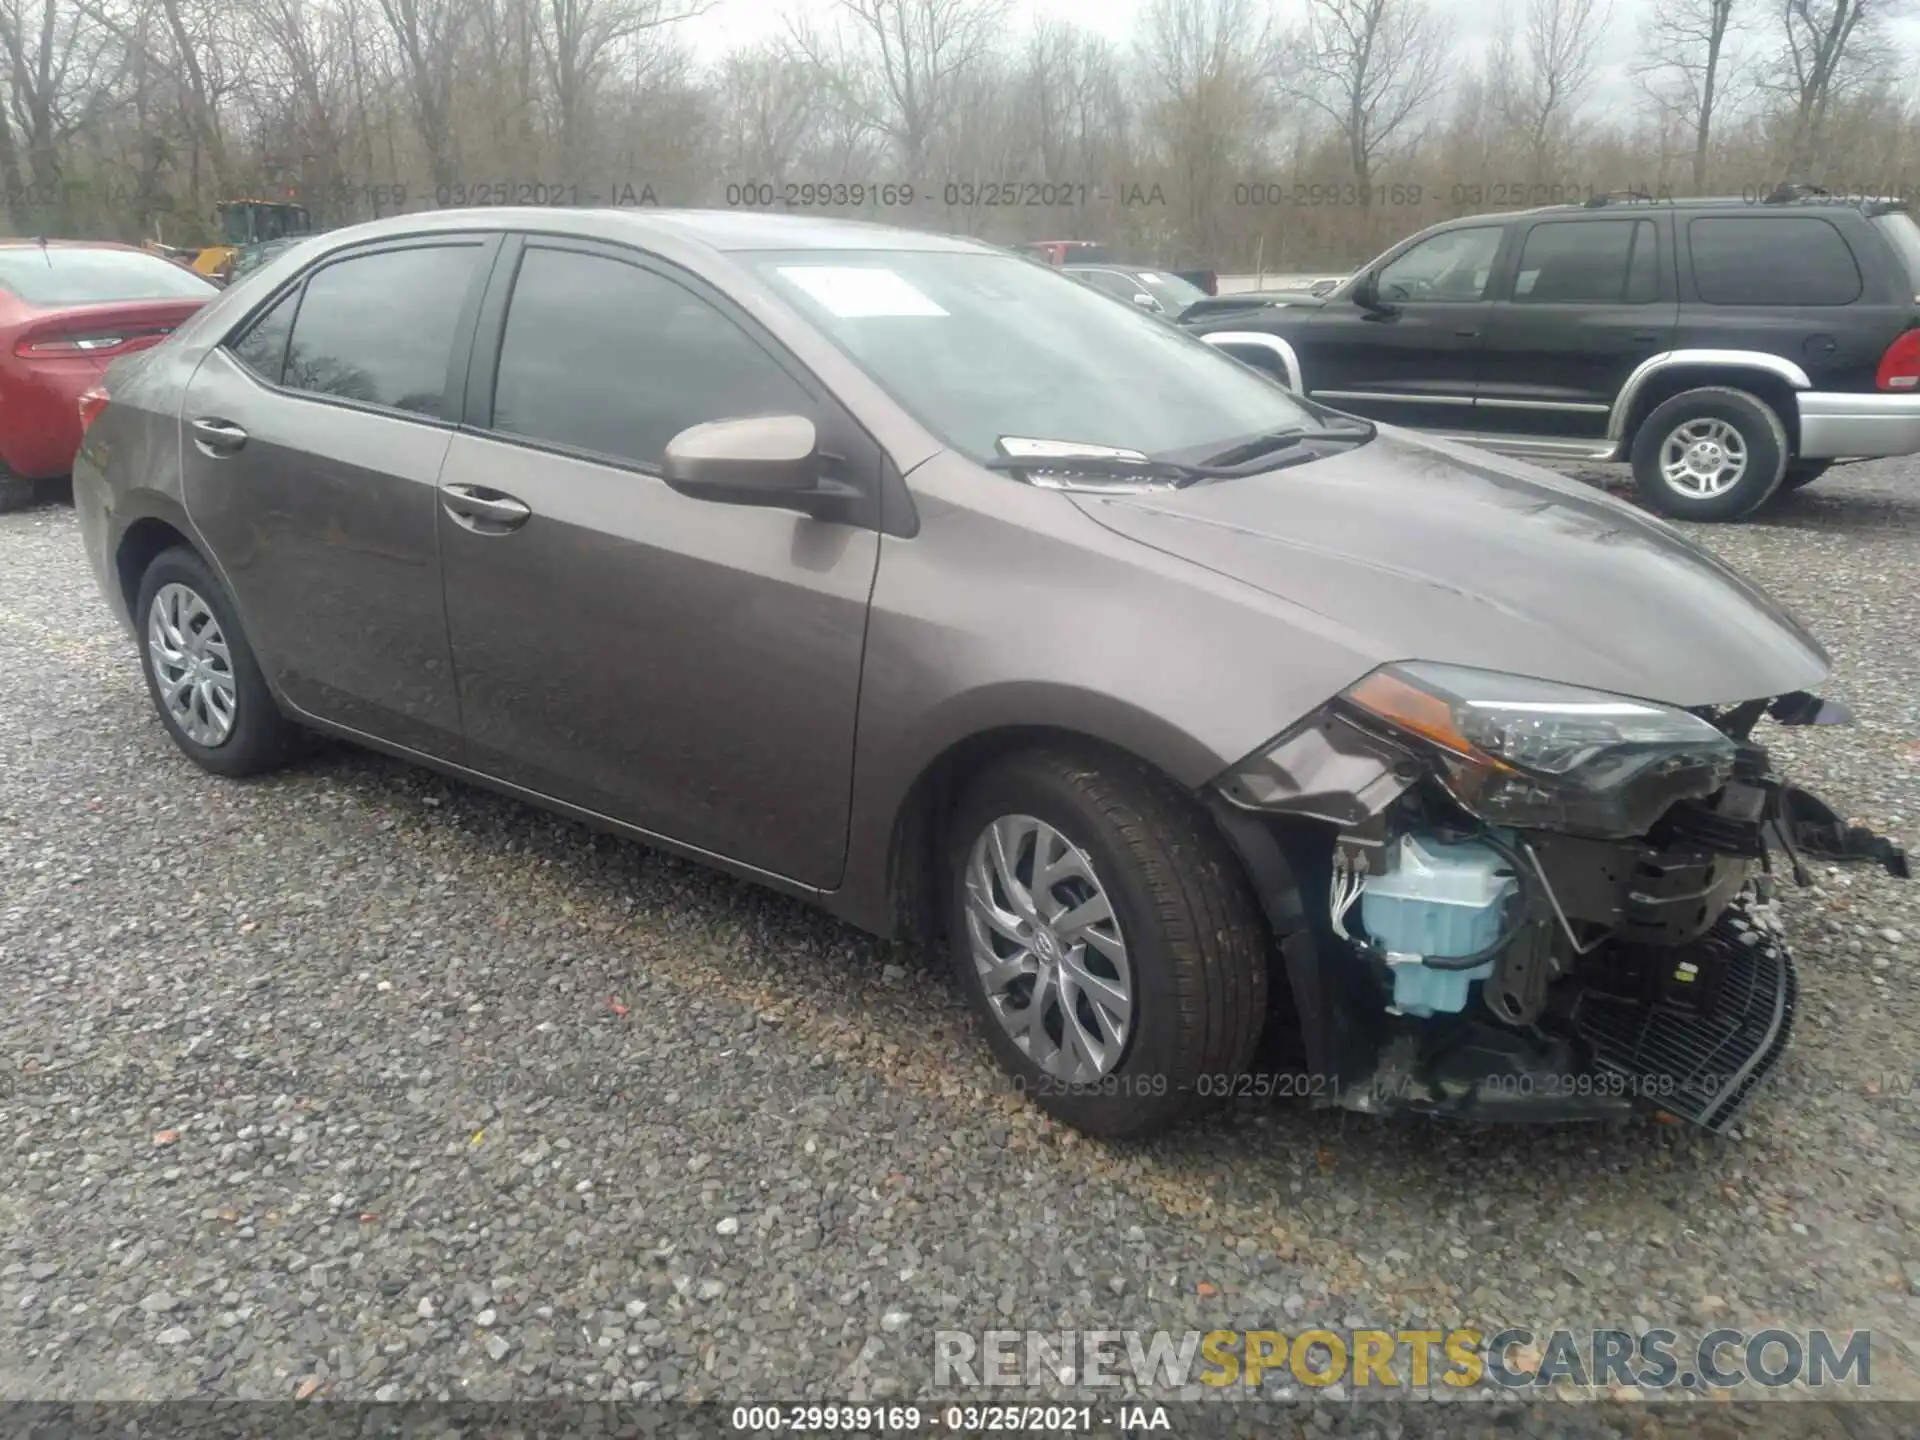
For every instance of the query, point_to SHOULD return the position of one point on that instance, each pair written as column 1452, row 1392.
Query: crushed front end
column 1499, row 896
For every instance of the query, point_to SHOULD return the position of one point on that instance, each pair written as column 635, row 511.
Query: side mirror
column 1145, row 301
column 771, row 460
column 1366, row 294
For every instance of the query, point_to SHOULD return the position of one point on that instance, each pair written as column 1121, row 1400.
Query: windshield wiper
column 1236, row 457
column 1121, row 468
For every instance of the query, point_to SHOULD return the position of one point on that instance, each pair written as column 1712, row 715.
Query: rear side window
column 1901, row 232
column 263, row 346
column 1593, row 262
column 609, row 358
column 1771, row 260
column 379, row 328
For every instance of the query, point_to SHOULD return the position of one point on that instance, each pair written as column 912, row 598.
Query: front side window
column 979, row 346
column 1592, row 262
column 380, row 328
column 1771, row 260
column 1454, row 265
column 606, row 357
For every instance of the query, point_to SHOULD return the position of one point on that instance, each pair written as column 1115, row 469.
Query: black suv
column 1725, row 347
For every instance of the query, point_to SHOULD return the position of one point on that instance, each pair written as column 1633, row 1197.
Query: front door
column 1586, row 302
column 1412, row 358
column 312, row 446
column 688, row 667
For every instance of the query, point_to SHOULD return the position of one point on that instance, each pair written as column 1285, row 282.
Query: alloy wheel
column 1703, row 458
column 1048, row 949
column 192, row 666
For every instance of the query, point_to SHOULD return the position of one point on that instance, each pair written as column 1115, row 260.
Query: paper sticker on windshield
column 859, row 292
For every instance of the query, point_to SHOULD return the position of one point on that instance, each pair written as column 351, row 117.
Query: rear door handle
column 483, row 510
column 1646, row 337
column 217, row 437
column 1466, row 334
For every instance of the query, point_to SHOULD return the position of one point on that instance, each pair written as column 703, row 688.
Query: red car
column 68, row 308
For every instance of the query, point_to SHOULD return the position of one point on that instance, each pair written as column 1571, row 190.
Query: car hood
column 1421, row 549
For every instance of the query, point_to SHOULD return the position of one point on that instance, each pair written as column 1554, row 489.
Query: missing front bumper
column 1702, row 1061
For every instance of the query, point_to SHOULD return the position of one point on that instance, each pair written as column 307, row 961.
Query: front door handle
column 1466, row 334
column 483, row 510
column 217, row 437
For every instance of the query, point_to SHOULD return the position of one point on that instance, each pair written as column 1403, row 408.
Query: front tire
column 202, row 676
column 1710, row 454
column 15, row 493
column 1106, row 938
column 1804, row 472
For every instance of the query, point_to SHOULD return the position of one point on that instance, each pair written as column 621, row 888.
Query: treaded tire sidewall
column 1759, row 426
column 1195, row 942
column 263, row 738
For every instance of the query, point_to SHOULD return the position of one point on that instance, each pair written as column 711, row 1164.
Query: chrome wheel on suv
column 1714, row 453
column 1703, row 458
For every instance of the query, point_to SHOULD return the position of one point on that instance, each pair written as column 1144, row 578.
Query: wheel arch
column 1770, row 378
column 141, row 543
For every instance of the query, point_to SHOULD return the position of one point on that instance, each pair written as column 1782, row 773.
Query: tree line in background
column 1294, row 134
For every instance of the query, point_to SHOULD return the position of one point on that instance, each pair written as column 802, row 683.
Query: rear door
column 688, row 667
column 1585, row 300
column 1414, row 360
column 313, row 440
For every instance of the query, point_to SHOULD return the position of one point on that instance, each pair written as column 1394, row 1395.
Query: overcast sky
column 734, row 22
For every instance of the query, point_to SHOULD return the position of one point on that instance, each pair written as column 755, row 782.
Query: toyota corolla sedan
column 900, row 574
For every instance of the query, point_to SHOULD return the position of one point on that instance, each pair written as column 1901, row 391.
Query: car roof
column 718, row 230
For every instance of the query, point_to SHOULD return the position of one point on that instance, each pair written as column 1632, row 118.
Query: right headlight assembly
column 1537, row 755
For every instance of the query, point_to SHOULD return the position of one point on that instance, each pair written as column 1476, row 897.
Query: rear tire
column 1175, row 927
column 1804, row 472
column 202, row 676
column 1710, row 454
column 16, row 494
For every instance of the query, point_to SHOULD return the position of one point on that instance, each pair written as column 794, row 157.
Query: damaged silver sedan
column 911, row 578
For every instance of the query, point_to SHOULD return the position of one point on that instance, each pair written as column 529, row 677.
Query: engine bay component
column 1437, row 910
column 1541, row 901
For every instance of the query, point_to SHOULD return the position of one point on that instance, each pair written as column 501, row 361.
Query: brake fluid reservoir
column 1436, row 899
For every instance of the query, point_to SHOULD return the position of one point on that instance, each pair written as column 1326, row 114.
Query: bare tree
column 1826, row 48
column 1209, row 68
column 1690, row 67
column 767, row 106
column 579, row 40
column 62, row 73
column 1538, row 87
column 429, row 35
column 1372, row 67
column 898, row 65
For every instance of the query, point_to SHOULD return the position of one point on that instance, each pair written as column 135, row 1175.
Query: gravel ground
column 356, row 1082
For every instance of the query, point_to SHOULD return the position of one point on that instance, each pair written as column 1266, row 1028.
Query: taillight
column 1900, row 366
column 102, row 343
column 91, row 404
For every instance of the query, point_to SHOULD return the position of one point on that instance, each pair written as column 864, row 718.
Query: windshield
column 1904, row 235
column 62, row 275
column 980, row 346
